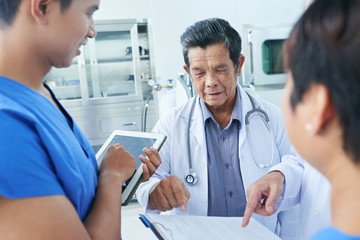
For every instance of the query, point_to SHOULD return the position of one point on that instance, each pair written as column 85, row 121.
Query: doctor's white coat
column 175, row 161
column 306, row 186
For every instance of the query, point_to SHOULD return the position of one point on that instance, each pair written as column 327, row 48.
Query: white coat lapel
column 199, row 192
column 245, row 108
column 198, row 140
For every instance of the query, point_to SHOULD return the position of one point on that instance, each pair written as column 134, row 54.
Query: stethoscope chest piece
column 261, row 165
column 191, row 178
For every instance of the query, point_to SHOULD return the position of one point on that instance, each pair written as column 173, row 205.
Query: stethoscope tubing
column 191, row 178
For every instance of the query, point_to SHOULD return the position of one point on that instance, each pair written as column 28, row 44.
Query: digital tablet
column 133, row 142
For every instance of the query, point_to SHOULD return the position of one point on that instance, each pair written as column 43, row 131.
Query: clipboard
column 174, row 227
column 148, row 224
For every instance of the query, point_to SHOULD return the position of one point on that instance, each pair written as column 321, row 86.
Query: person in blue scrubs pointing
column 50, row 184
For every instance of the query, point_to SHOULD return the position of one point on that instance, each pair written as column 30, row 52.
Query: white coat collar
column 246, row 107
column 197, row 121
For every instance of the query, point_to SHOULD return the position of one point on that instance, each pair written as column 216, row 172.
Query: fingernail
column 183, row 208
column 270, row 209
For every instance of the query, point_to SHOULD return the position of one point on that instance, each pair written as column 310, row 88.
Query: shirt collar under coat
column 236, row 113
column 196, row 127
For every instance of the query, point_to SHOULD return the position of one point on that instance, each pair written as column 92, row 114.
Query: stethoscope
column 191, row 178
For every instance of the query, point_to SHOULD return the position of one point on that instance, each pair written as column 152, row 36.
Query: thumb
column 146, row 174
column 271, row 202
column 270, row 209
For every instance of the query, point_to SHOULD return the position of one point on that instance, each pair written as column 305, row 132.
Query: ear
column 188, row 72
column 323, row 108
column 186, row 69
column 39, row 10
column 241, row 63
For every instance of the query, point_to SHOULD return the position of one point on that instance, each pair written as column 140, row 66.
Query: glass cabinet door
column 106, row 87
column 113, row 65
column 65, row 83
column 113, row 57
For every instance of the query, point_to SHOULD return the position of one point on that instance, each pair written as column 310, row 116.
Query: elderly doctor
column 209, row 158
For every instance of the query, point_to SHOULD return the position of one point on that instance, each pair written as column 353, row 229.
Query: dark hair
column 9, row 9
column 324, row 48
column 208, row 32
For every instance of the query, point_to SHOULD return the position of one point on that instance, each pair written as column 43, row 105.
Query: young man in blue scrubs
column 50, row 185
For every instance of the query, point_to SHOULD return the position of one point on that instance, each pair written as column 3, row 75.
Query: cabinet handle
column 129, row 123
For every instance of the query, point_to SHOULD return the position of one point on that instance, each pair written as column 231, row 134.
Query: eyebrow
column 94, row 8
column 196, row 69
column 216, row 67
column 221, row 66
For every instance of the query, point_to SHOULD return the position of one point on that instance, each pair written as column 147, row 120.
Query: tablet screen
column 134, row 145
column 133, row 142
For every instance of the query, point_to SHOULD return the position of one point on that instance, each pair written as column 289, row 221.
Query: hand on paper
column 263, row 195
column 151, row 162
column 169, row 193
column 117, row 162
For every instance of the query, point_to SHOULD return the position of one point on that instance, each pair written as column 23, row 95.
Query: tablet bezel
column 136, row 179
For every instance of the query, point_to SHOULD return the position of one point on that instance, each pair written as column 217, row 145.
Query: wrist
column 150, row 204
column 279, row 175
column 110, row 177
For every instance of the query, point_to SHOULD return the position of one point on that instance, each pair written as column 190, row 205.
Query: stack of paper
column 180, row 227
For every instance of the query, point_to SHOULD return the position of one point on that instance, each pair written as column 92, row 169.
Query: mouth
column 214, row 94
column 82, row 44
column 78, row 51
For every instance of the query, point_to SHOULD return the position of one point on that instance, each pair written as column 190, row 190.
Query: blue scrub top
column 42, row 151
column 331, row 233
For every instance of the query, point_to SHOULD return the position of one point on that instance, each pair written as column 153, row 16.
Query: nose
column 211, row 80
column 92, row 32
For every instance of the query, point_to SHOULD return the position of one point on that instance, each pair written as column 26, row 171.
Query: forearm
column 292, row 168
column 104, row 218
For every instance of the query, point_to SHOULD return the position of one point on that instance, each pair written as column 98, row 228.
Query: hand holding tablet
column 134, row 143
column 117, row 162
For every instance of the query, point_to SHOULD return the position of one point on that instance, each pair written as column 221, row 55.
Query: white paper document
column 179, row 227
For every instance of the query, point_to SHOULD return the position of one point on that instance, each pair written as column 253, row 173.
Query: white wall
column 123, row 9
column 170, row 18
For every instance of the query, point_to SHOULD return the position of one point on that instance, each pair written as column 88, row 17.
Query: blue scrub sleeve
column 25, row 166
